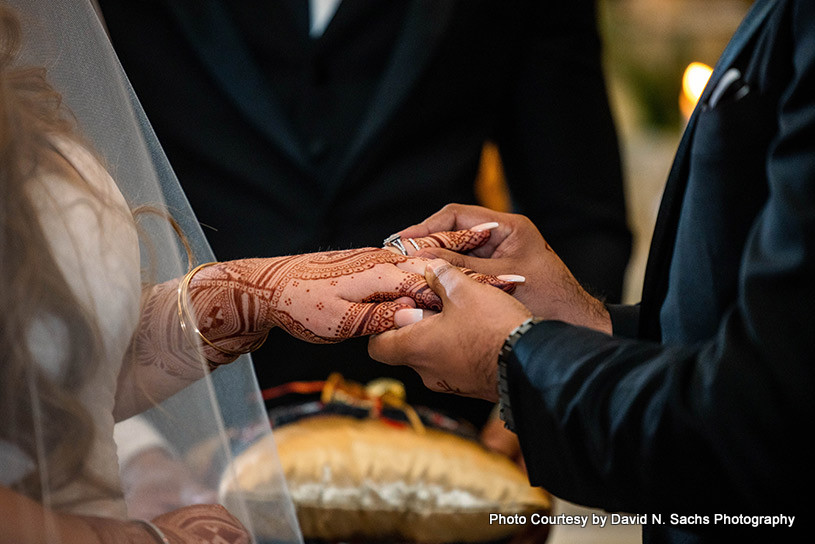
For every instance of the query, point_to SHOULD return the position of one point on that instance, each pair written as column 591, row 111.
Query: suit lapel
column 348, row 12
column 655, row 284
column 424, row 26
column 210, row 31
column 299, row 13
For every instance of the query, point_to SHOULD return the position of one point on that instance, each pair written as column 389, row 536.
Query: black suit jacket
column 288, row 146
column 707, row 411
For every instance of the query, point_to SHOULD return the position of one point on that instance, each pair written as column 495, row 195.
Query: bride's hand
column 202, row 524
column 197, row 524
column 318, row 297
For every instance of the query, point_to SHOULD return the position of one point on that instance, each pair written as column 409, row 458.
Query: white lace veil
column 209, row 422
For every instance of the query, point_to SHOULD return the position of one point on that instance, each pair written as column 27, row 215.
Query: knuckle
column 457, row 260
column 443, row 271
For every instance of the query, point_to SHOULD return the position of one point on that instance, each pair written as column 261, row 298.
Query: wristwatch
column 504, row 407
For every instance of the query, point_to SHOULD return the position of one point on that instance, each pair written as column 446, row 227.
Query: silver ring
column 414, row 244
column 394, row 240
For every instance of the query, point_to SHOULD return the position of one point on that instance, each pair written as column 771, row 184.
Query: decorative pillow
column 378, row 479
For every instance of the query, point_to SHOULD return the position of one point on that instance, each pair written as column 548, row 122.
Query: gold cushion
column 370, row 479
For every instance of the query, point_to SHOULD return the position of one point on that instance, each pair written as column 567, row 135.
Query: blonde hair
column 44, row 420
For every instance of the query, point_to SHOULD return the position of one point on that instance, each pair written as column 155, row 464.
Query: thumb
column 456, row 259
column 444, row 279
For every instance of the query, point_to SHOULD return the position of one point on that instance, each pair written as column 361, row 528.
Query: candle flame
column 694, row 80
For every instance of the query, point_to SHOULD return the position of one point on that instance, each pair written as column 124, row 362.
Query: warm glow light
column 694, row 80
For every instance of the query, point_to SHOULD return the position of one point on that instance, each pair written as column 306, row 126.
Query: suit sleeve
column 559, row 145
column 716, row 426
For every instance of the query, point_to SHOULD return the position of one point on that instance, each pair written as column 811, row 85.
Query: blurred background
column 649, row 45
column 656, row 54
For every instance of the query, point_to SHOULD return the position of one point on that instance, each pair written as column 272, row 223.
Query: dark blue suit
column 705, row 409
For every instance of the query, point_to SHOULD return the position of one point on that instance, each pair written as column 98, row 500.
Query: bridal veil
column 209, row 422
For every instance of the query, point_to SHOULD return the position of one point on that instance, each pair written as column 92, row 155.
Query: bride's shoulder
column 79, row 161
column 81, row 210
column 89, row 228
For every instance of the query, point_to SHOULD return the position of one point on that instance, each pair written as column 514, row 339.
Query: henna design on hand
column 319, row 297
column 506, row 286
column 114, row 531
column 204, row 523
column 159, row 340
column 459, row 240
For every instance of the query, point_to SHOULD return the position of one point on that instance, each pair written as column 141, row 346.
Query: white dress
column 95, row 244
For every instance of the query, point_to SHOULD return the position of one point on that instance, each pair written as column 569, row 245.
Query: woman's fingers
column 505, row 282
column 459, row 240
column 362, row 298
column 366, row 318
column 414, row 284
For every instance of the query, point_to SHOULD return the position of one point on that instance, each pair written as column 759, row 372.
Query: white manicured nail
column 407, row 316
column 484, row 226
column 514, row 278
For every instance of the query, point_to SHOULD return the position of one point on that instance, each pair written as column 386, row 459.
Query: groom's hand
column 515, row 246
column 455, row 351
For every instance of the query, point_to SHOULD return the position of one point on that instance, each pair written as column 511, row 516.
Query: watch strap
column 504, row 405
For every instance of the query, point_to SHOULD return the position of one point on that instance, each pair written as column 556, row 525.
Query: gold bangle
column 184, row 315
column 154, row 531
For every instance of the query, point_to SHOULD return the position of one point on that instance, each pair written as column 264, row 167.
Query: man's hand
column 515, row 246
column 455, row 351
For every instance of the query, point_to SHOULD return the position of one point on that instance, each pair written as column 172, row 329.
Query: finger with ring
column 395, row 241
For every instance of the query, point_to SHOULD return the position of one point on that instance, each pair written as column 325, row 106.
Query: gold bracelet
column 154, row 531
column 184, row 315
